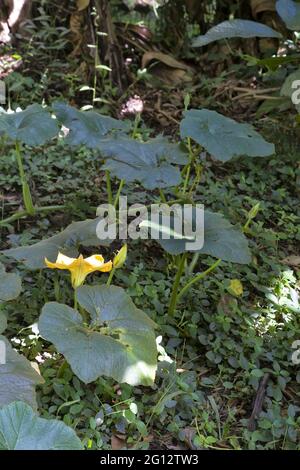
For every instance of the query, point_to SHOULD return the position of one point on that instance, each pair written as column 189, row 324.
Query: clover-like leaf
column 289, row 11
column 86, row 127
column 34, row 126
column 119, row 342
column 22, row 429
column 10, row 285
column 67, row 241
column 221, row 239
column 18, row 378
column 223, row 137
column 150, row 163
column 235, row 29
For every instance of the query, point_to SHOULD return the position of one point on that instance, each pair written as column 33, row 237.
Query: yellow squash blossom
column 80, row 267
column 120, row 257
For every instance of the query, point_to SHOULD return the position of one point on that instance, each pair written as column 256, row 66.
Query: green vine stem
column 188, row 168
column 193, row 263
column 75, row 300
column 163, row 197
column 173, row 300
column 111, row 275
column 108, row 188
column 137, row 121
column 37, row 210
column 197, row 179
column 27, row 198
column 116, row 203
column 198, row 278
column 83, row 313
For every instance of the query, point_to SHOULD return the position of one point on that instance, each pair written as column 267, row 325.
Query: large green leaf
column 235, row 29
column 22, row 429
column 10, row 285
column 289, row 11
column 223, row 137
column 86, row 127
column 151, row 163
column 287, row 88
column 18, row 378
column 118, row 343
column 3, row 321
column 67, row 241
column 34, row 126
column 221, row 240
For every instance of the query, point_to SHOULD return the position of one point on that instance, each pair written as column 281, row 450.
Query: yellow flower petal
column 63, row 259
column 62, row 262
column 106, row 267
column 79, row 267
column 55, row 265
column 96, row 261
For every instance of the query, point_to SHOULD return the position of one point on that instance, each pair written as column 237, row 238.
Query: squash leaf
column 119, row 342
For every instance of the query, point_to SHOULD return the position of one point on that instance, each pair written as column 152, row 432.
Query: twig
column 256, row 97
column 258, row 404
column 253, row 90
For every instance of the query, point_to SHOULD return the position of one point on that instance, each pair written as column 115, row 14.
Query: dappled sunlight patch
column 140, row 371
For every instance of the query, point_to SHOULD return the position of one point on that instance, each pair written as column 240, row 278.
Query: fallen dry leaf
column 261, row 6
column 82, row 4
column 292, row 261
column 167, row 69
column 117, row 443
column 189, row 434
column 165, row 59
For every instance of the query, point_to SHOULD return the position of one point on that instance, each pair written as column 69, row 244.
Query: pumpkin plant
column 22, row 429
column 223, row 138
column 157, row 165
column 103, row 333
column 18, row 378
column 32, row 127
column 20, row 426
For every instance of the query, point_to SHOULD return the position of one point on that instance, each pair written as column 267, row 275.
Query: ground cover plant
column 168, row 340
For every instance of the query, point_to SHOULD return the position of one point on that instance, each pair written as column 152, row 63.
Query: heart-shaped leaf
column 119, row 343
column 18, row 378
column 22, row 429
column 67, row 241
column 3, row 322
column 86, row 127
column 221, row 239
column 223, row 137
column 151, row 163
column 289, row 11
column 10, row 285
column 235, row 29
column 34, row 126
column 287, row 88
